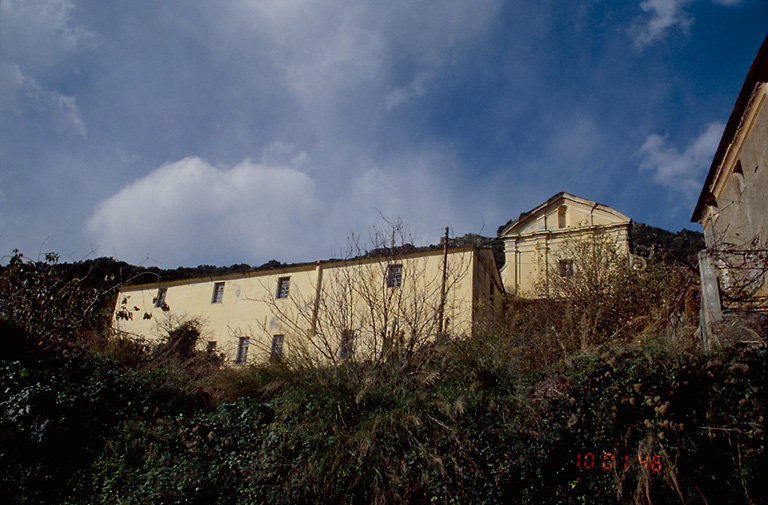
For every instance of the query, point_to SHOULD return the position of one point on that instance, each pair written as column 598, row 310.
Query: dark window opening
column 242, row 349
column 218, row 293
column 277, row 349
column 283, row 287
column 394, row 276
column 566, row 268
column 347, row 340
column 160, row 298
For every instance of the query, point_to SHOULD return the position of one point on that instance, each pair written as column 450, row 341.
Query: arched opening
column 561, row 216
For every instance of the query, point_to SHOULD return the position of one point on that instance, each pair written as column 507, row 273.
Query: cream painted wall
column 535, row 243
column 353, row 294
column 739, row 213
column 244, row 311
column 736, row 216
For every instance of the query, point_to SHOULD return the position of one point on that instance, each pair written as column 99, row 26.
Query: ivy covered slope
column 494, row 419
column 65, row 389
column 456, row 432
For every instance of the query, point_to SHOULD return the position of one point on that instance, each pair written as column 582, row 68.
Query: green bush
column 492, row 419
column 58, row 410
column 437, row 434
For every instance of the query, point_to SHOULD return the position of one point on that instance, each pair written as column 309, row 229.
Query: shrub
column 37, row 299
column 607, row 296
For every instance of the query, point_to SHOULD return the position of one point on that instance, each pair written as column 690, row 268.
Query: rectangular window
column 277, row 349
column 347, row 340
column 160, row 298
column 493, row 291
column 242, row 349
column 218, row 292
column 738, row 174
column 394, row 276
column 283, row 287
column 566, row 268
column 211, row 346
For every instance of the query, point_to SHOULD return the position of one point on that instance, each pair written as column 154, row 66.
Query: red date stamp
column 608, row 461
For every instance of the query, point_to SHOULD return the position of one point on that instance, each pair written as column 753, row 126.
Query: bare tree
column 743, row 267
column 377, row 305
column 598, row 293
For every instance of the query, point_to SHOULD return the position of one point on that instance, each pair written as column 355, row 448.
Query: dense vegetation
column 680, row 247
column 519, row 414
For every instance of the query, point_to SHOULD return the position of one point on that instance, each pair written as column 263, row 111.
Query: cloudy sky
column 179, row 133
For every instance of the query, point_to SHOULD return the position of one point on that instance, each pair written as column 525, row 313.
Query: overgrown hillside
column 554, row 403
column 680, row 247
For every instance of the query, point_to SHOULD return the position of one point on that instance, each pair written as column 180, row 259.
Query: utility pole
column 441, row 310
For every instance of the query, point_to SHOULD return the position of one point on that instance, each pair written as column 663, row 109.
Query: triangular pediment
column 563, row 211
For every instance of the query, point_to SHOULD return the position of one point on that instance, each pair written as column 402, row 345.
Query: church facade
column 537, row 243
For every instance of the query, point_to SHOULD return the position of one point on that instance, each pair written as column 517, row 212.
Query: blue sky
column 178, row 133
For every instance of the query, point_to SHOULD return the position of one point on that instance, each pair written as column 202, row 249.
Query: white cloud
column 190, row 210
column 402, row 94
column 38, row 35
column 21, row 90
column 126, row 157
column 283, row 153
column 683, row 171
column 664, row 16
column 577, row 139
column 341, row 61
column 39, row 32
column 331, row 70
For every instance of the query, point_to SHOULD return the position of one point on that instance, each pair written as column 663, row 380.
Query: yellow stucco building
column 536, row 244
column 362, row 308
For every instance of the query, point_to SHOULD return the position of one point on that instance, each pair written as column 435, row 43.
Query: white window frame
column 276, row 353
column 218, row 292
column 394, row 276
column 160, row 298
column 283, row 287
column 242, row 349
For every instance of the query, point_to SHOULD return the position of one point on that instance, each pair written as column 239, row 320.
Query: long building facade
column 327, row 311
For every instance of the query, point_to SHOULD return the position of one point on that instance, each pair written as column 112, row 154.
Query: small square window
column 218, row 293
column 283, row 287
column 160, row 298
column 394, row 276
column 347, row 341
column 566, row 268
column 242, row 349
column 277, row 349
column 211, row 346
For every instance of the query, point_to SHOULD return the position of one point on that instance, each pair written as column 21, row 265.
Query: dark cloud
column 132, row 128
